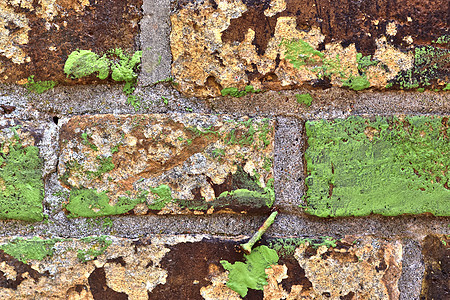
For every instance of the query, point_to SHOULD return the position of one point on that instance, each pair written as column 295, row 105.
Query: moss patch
column 91, row 203
column 385, row 166
column 27, row 249
column 286, row 247
column 304, row 99
column 39, row 87
column 98, row 246
column 121, row 65
column 235, row 92
column 431, row 64
column 21, row 185
column 251, row 274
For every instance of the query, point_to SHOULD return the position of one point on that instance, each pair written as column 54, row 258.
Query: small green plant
column 235, row 92
column 304, row 99
column 87, row 142
column 121, row 65
column 39, row 87
column 251, row 274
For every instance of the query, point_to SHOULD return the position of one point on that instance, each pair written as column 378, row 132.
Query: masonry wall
column 142, row 142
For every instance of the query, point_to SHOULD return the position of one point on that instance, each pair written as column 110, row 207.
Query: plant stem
column 247, row 247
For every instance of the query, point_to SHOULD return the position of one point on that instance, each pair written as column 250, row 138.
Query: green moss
column 121, row 65
column 301, row 54
column 429, row 67
column 246, row 137
column 447, row 87
column 90, row 203
column 251, row 274
column 235, row 92
column 286, row 246
column 98, row 247
column 164, row 194
column 357, row 166
column 82, row 63
column 357, row 83
column 39, row 87
column 105, row 165
column 445, row 39
column 304, row 99
column 27, row 249
column 21, row 184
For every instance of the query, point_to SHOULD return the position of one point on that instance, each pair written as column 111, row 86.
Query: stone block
column 174, row 163
column 281, row 44
column 199, row 267
column 21, row 171
column 38, row 36
column 388, row 166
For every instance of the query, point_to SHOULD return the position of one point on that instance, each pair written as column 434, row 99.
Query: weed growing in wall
column 251, row 274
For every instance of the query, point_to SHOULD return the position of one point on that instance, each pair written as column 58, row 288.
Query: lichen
column 21, row 185
column 27, row 249
column 358, row 166
column 251, row 274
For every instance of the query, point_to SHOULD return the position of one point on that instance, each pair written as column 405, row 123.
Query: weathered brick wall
column 141, row 142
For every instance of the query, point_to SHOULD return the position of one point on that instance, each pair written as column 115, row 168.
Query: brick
column 240, row 43
column 436, row 256
column 388, row 166
column 21, row 178
column 191, row 267
column 37, row 37
column 175, row 163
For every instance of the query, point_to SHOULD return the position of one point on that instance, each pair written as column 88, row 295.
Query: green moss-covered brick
column 387, row 166
column 21, row 184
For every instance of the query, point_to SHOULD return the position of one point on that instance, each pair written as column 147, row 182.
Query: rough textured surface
column 155, row 30
column 436, row 253
column 281, row 44
column 113, row 269
column 358, row 166
column 170, row 164
column 62, row 26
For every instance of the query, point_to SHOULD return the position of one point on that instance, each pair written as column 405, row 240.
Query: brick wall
column 142, row 142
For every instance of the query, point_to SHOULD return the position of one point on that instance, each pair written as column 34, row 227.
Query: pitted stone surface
column 221, row 44
column 166, row 163
column 37, row 36
column 90, row 268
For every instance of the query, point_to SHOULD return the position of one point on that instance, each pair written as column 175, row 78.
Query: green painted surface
column 26, row 249
column 251, row 274
column 21, row 184
column 384, row 166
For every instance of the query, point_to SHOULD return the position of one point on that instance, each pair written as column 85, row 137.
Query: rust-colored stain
column 358, row 22
column 50, row 32
column 436, row 252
